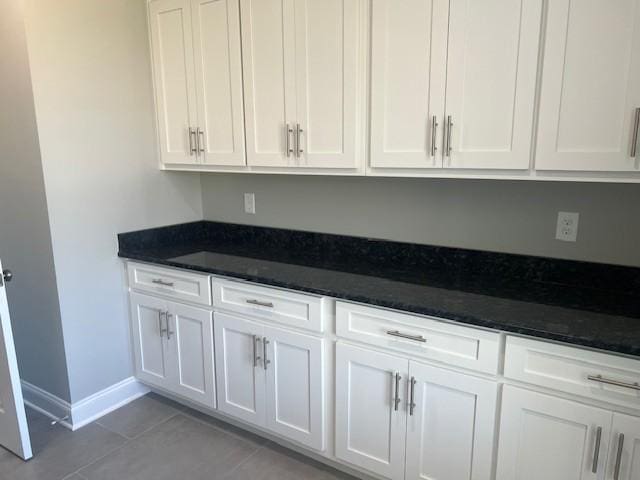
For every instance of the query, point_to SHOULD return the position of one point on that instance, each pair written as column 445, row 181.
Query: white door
column 190, row 353
column 14, row 431
column 149, row 318
column 218, row 69
column 295, row 390
column 240, row 373
column 491, row 83
column 624, row 456
column 547, row 437
column 451, row 427
column 590, row 86
column 173, row 70
column 371, row 418
column 408, row 76
column 268, row 55
column 330, row 83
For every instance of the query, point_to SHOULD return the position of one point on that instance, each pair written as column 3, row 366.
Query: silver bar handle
column 259, row 303
column 412, row 403
column 617, row 383
column 634, row 137
column 160, row 315
column 169, row 331
column 256, row 357
column 434, row 135
column 299, row 151
column 288, row 133
column 596, row 451
column 449, row 148
column 192, row 145
column 396, row 398
column 616, row 470
column 159, row 281
column 415, row 338
column 265, row 360
column 200, row 135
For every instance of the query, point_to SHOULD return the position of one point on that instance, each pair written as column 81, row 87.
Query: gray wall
column 504, row 216
column 25, row 240
column 93, row 97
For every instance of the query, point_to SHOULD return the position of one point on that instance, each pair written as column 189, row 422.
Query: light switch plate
column 250, row 203
column 567, row 228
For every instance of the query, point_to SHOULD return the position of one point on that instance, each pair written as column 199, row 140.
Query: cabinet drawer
column 573, row 370
column 425, row 337
column 172, row 283
column 282, row 306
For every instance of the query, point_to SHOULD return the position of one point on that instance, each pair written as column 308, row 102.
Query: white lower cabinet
column 272, row 378
column 402, row 419
column 173, row 345
column 624, row 456
column 542, row 436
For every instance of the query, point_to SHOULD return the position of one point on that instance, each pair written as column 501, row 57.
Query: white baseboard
column 78, row 414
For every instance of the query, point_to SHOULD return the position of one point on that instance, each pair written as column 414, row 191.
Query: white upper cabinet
column 172, row 53
column 590, row 89
column 218, row 68
column 408, row 75
column 491, row 82
column 303, row 82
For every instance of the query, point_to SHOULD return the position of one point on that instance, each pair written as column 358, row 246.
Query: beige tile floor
column 155, row 439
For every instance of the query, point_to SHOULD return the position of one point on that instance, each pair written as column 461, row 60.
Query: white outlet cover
column 567, row 227
column 250, row 203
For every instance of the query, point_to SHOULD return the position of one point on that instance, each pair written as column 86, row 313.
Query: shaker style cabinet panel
column 624, row 455
column 198, row 81
column 547, row 437
column 590, row 92
column 174, row 80
column 218, row 68
column 492, row 64
column 408, row 75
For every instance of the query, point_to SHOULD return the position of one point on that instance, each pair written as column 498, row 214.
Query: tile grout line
column 222, row 430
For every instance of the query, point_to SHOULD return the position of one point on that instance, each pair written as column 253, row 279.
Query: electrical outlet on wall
column 250, row 203
column 567, row 228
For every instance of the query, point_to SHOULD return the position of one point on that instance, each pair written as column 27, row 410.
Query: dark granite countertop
column 580, row 303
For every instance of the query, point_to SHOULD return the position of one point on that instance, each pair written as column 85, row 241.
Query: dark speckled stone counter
column 581, row 303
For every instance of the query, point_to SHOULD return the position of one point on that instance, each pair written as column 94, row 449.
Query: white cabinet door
column 218, row 68
column 590, row 86
column 450, row 430
column 172, row 53
column 240, row 370
column 295, row 390
column 190, row 346
column 491, row 81
column 268, row 53
column 148, row 317
column 370, row 424
column 624, row 456
column 547, row 437
column 408, row 75
column 330, row 82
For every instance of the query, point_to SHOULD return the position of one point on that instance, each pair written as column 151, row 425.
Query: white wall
column 93, row 99
column 504, row 216
column 25, row 242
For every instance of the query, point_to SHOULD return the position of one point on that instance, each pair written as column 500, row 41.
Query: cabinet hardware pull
column 434, row 135
column 601, row 379
column 259, row 303
column 288, row 133
column 169, row 331
column 616, row 470
column 412, row 404
column 159, row 281
column 299, row 150
column 162, row 330
column 256, row 357
column 200, row 135
column 634, row 137
column 415, row 338
column 596, row 451
column 192, row 145
column 449, row 148
column 396, row 399
column 265, row 361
